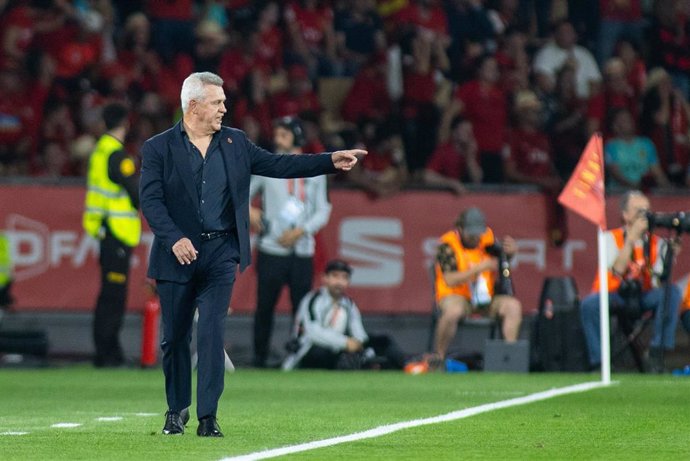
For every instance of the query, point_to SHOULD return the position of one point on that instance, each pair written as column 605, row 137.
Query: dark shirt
column 211, row 182
column 122, row 171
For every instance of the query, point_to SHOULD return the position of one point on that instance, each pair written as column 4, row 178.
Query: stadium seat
column 332, row 93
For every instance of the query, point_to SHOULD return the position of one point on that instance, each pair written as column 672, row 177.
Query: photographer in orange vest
column 634, row 257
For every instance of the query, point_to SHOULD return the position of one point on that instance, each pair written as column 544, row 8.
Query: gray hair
column 625, row 199
column 193, row 87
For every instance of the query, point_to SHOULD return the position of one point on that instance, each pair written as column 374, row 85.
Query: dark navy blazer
column 169, row 198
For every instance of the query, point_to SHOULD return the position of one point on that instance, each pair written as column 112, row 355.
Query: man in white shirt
column 292, row 211
column 328, row 330
column 564, row 50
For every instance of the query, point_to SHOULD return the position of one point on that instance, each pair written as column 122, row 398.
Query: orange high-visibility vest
column 685, row 305
column 645, row 276
column 465, row 258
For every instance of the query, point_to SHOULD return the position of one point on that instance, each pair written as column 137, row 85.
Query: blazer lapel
column 181, row 161
column 227, row 147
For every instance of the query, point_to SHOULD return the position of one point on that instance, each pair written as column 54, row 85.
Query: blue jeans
column 651, row 300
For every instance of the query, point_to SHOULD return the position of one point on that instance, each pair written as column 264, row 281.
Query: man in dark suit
column 195, row 197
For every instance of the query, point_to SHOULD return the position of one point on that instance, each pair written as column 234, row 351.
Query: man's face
column 637, row 208
column 469, row 241
column 283, row 139
column 210, row 110
column 336, row 282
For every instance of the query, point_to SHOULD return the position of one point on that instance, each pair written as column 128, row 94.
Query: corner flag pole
column 604, row 309
column 584, row 195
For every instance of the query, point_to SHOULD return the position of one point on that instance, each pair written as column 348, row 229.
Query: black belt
column 206, row 236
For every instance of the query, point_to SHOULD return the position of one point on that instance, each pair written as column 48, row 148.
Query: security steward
column 111, row 215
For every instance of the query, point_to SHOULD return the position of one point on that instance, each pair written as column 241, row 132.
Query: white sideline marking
column 13, row 433
column 390, row 428
column 66, row 425
column 146, row 414
column 109, row 418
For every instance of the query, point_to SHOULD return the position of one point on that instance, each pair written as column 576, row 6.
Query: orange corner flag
column 584, row 193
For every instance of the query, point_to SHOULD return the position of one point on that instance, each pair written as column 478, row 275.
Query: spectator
column 328, row 330
column 312, row 37
column 670, row 42
column 359, row 34
column 293, row 211
column 631, row 266
column 252, row 110
column 566, row 122
column 173, row 27
column 635, row 68
column 616, row 94
column 631, row 160
column 665, row 120
column 368, row 98
column 556, row 52
column 483, row 102
column 618, row 19
column 454, row 161
column 472, row 35
column 419, row 111
column 382, row 172
column 528, row 159
column 685, row 308
column 513, row 61
column 465, row 275
column 424, row 17
column 298, row 97
column 269, row 49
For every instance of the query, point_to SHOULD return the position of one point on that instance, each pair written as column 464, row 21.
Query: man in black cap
column 328, row 331
column 465, row 274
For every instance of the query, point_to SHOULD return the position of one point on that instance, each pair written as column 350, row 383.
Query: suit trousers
column 209, row 291
column 110, row 307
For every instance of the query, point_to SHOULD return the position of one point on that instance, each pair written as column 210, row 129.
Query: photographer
column 466, row 275
column 634, row 257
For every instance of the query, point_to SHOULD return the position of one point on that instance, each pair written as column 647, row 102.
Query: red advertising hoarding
column 389, row 241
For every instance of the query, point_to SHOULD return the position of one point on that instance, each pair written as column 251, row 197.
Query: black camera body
column 504, row 282
column 679, row 221
column 631, row 292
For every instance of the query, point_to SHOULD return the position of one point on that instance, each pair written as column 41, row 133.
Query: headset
column 293, row 125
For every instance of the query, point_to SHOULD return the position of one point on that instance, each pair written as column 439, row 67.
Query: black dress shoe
column 208, row 427
column 174, row 423
column 184, row 415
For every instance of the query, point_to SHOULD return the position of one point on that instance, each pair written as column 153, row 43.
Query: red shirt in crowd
column 486, row 109
column 367, row 98
column 530, row 151
column 448, row 161
column 312, row 23
column 269, row 51
column 260, row 112
column 179, row 10
column 286, row 103
column 615, row 10
column 435, row 21
column 607, row 101
column 234, row 67
column 19, row 21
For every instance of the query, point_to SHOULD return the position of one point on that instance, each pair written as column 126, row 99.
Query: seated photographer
column 467, row 262
column 634, row 261
column 328, row 331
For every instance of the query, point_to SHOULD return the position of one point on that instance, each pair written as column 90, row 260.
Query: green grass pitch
column 120, row 414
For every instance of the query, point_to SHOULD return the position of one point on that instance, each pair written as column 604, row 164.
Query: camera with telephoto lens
column 504, row 283
column 679, row 221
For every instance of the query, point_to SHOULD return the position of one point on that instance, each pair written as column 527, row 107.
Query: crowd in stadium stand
column 441, row 92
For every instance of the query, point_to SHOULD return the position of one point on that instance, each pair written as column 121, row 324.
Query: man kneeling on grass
column 328, row 331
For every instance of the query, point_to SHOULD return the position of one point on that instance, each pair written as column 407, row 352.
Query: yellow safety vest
column 5, row 261
column 108, row 201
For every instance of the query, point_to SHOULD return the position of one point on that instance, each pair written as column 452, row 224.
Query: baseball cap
column 338, row 265
column 472, row 221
